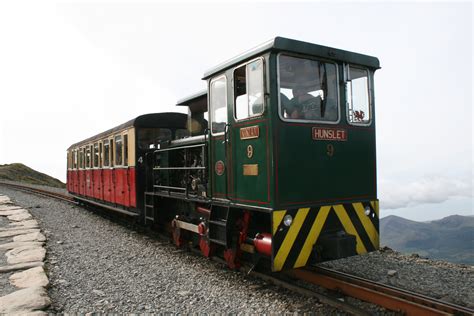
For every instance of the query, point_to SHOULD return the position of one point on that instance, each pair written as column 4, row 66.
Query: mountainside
column 21, row 173
column 450, row 238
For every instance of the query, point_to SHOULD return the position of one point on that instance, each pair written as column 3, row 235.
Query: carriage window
column 150, row 137
column 357, row 94
column 106, row 153
column 308, row 90
column 81, row 158
column 218, row 104
column 101, row 154
column 118, row 150
column 88, row 157
column 96, row 155
column 125, row 150
column 248, row 77
column 74, row 159
column 111, row 142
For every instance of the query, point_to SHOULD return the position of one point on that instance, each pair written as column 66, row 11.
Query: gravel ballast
column 439, row 279
column 95, row 265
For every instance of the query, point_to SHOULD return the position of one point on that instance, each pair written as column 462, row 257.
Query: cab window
column 248, row 90
column 357, row 95
column 218, row 100
column 307, row 90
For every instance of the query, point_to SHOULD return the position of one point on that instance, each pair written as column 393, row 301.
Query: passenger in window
column 290, row 111
column 305, row 105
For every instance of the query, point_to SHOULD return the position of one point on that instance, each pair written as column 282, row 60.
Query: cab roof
column 196, row 102
column 281, row 44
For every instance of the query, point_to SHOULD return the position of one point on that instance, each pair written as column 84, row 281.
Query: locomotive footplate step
column 218, row 225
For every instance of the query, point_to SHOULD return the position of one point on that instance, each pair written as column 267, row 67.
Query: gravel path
column 95, row 265
column 439, row 279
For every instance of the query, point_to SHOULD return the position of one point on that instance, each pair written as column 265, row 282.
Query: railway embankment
column 23, row 280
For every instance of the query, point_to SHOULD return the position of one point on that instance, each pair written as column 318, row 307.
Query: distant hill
column 450, row 239
column 21, row 173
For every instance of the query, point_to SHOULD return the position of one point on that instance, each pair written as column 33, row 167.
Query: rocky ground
column 95, row 265
column 23, row 280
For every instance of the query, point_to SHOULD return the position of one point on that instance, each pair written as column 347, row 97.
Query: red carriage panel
column 97, row 176
column 82, row 182
column 75, row 181
column 132, row 187
column 88, row 191
column 108, row 187
column 68, row 180
column 121, row 187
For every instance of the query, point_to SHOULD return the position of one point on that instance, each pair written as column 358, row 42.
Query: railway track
column 392, row 298
column 56, row 195
column 389, row 297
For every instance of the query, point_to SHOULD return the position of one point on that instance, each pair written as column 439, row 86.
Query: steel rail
column 389, row 297
column 42, row 192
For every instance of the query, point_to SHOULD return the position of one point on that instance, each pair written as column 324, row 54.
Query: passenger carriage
column 108, row 169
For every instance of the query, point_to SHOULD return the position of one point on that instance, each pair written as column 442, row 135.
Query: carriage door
column 219, row 136
column 249, row 136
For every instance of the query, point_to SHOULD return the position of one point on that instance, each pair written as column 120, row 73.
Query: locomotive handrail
column 179, row 168
column 168, row 187
column 177, row 148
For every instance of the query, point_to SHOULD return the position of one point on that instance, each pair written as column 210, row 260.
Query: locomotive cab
column 292, row 134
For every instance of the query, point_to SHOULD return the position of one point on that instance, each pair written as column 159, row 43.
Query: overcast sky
column 70, row 70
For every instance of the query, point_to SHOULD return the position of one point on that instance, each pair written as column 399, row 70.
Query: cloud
column 427, row 190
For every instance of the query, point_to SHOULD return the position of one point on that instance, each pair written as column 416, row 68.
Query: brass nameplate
column 249, row 132
column 251, row 170
column 334, row 134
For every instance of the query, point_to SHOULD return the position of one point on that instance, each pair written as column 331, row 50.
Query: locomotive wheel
column 232, row 258
column 178, row 237
column 205, row 246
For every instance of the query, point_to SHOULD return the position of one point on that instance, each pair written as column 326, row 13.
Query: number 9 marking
column 330, row 150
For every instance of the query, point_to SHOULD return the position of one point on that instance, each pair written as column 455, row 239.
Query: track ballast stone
column 439, row 279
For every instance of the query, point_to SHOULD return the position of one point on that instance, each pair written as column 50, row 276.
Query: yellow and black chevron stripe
column 293, row 245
